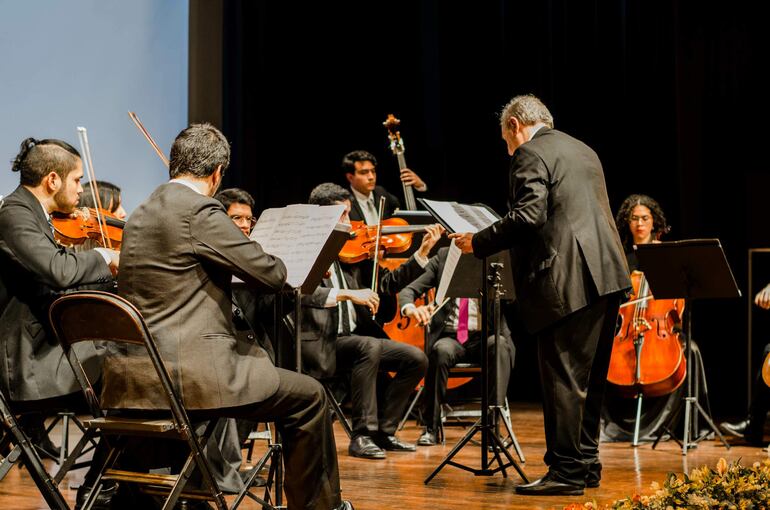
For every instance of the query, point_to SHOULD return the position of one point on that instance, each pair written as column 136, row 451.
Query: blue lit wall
column 74, row 63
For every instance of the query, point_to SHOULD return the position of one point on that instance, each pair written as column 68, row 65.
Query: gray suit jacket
column 564, row 245
column 179, row 253
column 34, row 271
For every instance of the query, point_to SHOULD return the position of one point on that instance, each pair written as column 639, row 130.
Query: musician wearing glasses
column 240, row 208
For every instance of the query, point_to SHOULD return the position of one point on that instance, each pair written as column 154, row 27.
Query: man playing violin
column 34, row 271
column 454, row 337
column 361, row 172
column 343, row 336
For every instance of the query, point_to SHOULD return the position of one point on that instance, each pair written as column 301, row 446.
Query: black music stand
column 693, row 269
column 495, row 276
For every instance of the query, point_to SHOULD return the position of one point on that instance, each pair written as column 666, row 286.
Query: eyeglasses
column 248, row 219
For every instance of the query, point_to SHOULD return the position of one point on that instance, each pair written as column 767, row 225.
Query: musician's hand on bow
column 762, row 299
column 410, row 178
column 463, row 241
column 81, row 212
column 432, row 235
column 422, row 314
column 365, row 297
column 114, row 259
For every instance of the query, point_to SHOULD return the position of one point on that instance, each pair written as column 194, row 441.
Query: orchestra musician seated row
column 178, row 256
column 338, row 318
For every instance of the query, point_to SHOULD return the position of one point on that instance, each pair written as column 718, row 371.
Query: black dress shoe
column 393, row 444
column 594, row 475
column 365, row 448
column 737, row 429
column 428, row 438
column 547, row 486
column 103, row 500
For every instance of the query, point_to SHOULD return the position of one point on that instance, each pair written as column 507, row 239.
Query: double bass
column 401, row 328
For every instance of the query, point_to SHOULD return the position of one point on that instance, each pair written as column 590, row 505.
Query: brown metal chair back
column 104, row 317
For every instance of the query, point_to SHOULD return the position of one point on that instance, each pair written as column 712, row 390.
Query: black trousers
column 445, row 353
column 574, row 356
column 365, row 356
column 301, row 415
column 760, row 404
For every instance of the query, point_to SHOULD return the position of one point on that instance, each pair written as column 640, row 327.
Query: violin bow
column 148, row 137
column 89, row 164
column 375, row 272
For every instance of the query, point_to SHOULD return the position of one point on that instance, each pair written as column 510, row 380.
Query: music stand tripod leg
column 637, row 420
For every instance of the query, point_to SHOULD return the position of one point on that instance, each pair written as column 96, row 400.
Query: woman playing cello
column 640, row 220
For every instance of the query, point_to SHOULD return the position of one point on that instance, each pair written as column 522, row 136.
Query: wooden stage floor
column 397, row 482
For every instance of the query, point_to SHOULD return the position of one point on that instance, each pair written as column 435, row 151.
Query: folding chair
column 13, row 435
column 100, row 316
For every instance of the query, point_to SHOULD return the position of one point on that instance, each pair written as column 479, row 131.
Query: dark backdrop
column 670, row 94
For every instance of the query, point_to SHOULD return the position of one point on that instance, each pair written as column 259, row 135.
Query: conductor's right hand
column 365, row 297
column 762, row 299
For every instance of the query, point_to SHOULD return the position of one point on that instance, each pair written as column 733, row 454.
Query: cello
column 647, row 357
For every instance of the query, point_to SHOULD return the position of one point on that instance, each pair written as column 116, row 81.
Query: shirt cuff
column 406, row 307
column 421, row 190
column 331, row 299
column 423, row 261
column 105, row 255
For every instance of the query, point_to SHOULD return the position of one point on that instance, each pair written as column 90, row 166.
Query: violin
column 647, row 356
column 766, row 370
column 395, row 237
column 76, row 229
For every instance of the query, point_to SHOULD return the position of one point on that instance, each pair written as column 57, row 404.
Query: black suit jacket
column 319, row 324
column 179, row 254
column 430, row 279
column 34, row 271
column 564, row 245
column 391, row 204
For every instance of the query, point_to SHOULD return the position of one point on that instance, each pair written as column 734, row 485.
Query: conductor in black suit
column 361, row 172
column 570, row 275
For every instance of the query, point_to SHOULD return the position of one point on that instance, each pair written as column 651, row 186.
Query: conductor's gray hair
column 528, row 110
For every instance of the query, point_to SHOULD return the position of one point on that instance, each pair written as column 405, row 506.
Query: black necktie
column 343, row 304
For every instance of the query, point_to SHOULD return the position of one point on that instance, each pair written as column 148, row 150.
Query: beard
column 60, row 199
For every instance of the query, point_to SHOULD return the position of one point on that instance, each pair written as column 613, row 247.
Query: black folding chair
column 19, row 445
column 100, row 316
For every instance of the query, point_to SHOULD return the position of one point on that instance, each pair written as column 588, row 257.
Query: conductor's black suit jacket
column 560, row 231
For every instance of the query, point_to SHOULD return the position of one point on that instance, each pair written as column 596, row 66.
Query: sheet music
column 296, row 234
column 452, row 257
column 462, row 217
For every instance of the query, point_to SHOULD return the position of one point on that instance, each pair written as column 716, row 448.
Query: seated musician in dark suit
column 341, row 335
column 752, row 427
column 360, row 169
column 34, row 271
column 180, row 252
column 453, row 336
